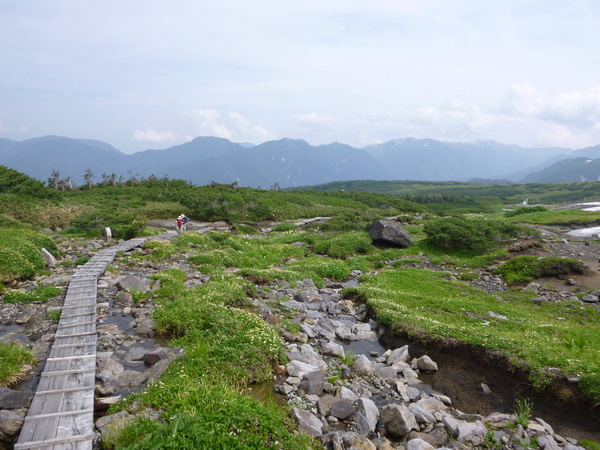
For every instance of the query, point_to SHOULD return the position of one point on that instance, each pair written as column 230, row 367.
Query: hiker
column 181, row 221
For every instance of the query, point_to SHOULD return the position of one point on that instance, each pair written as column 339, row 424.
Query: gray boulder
column 308, row 422
column 368, row 409
column 398, row 420
column 389, row 233
column 312, row 382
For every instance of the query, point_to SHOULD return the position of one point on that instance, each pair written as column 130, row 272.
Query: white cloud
column 581, row 109
column 314, row 118
column 151, row 135
column 10, row 129
column 234, row 126
column 454, row 119
column 560, row 136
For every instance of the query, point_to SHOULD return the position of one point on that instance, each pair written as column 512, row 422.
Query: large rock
column 389, row 233
column 10, row 399
column 132, row 283
column 342, row 409
column 333, row 349
column 49, row 259
column 362, row 365
column 426, row 363
column 398, row 355
column 398, row 420
column 368, row 409
column 308, row 422
column 419, row 444
column 312, row 382
column 299, row 369
column 463, row 431
column 11, row 422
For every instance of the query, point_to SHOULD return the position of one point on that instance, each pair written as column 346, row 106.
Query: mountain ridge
column 286, row 162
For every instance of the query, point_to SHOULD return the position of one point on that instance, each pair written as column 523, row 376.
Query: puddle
column 265, row 393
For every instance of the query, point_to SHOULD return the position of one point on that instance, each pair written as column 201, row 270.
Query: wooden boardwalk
column 61, row 415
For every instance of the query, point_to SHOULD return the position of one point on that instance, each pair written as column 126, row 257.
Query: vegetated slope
column 506, row 193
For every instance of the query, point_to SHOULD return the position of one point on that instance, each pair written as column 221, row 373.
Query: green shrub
column 522, row 410
column 345, row 245
column 590, row 385
column 474, row 235
column 160, row 248
column 527, row 268
column 82, row 260
column 123, row 225
column 528, row 210
column 589, row 444
column 344, row 222
column 20, row 252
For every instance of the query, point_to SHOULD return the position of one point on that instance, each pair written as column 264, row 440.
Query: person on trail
column 181, row 221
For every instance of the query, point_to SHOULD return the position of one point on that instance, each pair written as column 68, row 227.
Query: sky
column 152, row 74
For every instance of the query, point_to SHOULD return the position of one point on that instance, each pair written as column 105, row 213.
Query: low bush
column 473, row 235
column 123, row 225
column 20, row 253
column 345, row 245
column 527, row 268
column 527, row 210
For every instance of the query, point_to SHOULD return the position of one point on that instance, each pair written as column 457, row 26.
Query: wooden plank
column 56, row 441
column 69, row 358
column 62, row 326
column 86, row 333
column 60, row 372
column 89, row 340
column 55, row 391
column 70, row 364
column 67, row 380
column 58, row 414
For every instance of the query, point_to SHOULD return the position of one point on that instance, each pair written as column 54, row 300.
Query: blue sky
column 152, row 74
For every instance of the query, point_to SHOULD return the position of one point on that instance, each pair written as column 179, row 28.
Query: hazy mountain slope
column 38, row 157
column 427, row 159
column 287, row 162
column 574, row 169
column 160, row 162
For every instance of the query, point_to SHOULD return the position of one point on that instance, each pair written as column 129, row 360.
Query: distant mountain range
column 292, row 163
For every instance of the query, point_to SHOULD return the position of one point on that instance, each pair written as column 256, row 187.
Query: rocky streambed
column 391, row 394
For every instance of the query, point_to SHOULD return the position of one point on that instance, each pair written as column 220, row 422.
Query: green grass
column 425, row 305
column 41, row 294
column 527, row 268
column 12, row 358
column 558, row 217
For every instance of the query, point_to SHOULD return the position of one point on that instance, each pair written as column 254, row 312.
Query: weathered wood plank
column 57, row 441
